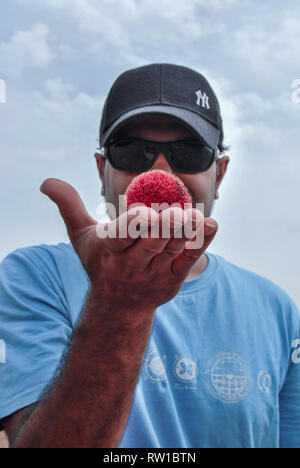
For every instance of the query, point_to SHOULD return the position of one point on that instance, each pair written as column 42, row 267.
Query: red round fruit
column 157, row 187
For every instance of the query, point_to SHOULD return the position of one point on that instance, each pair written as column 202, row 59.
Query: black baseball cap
column 163, row 88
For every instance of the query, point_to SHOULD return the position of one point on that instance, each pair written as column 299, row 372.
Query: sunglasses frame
column 162, row 146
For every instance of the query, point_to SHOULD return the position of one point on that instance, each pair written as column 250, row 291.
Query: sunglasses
column 133, row 155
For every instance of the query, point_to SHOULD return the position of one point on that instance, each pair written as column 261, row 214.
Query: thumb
column 69, row 203
column 186, row 260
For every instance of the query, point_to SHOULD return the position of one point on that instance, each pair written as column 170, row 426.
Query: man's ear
column 221, row 167
column 100, row 161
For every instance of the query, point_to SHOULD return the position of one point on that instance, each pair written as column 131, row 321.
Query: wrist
column 121, row 309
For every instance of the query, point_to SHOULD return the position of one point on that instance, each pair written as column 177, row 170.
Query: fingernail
column 211, row 226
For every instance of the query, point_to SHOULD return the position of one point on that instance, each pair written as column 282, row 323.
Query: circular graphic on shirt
column 227, row 377
column 264, row 381
column 154, row 367
column 185, row 368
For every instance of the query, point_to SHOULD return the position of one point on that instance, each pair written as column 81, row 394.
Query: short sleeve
column 34, row 327
column 289, row 399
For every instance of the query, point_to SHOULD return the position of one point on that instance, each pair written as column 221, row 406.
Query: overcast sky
column 58, row 59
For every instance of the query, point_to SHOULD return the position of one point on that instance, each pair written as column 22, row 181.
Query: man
column 142, row 342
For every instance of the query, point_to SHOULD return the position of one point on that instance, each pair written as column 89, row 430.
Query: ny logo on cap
column 202, row 99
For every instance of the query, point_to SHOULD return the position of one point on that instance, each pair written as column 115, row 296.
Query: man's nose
column 162, row 163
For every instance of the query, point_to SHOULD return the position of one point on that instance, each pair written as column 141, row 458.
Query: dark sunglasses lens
column 139, row 156
column 131, row 156
column 191, row 157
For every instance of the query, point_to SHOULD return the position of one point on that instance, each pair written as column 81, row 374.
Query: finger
column 194, row 227
column 184, row 228
column 153, row 242
column 123, row 232
column 182, row 264
column 172, row 249
column 69, row 203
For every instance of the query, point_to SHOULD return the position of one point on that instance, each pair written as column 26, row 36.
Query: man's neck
column 198, row 268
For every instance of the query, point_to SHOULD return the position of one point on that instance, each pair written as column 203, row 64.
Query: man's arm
column 15, row 421
column 3, row 440
column 89, row 402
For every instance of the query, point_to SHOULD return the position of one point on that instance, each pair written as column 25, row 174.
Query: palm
column 148, row 268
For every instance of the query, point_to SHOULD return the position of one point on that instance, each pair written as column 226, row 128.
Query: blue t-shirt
column 222, row 366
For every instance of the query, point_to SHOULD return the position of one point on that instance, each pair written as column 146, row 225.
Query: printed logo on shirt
column 228, row 377
column 264, row 381
column 154, row 367
column 185, row 369
column 296, row 354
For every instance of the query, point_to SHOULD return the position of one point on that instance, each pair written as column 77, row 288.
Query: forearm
column 89, row 403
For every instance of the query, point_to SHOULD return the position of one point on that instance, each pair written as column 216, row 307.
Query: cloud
column 26, row 49
column 48, row 133
column 271, row 45
column 64, row 116
column 138, row 28
column 171, row 6
column 247, row 50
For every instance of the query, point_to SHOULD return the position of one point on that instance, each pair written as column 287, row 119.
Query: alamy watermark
column 2, row 352
column 296, row 354
column 295, row 96
column 2, row 92
column 161, row 220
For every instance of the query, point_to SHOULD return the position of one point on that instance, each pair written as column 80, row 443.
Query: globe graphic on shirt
column 154, row 367
column 227, row 377
column 185, row 369
column 157, row 366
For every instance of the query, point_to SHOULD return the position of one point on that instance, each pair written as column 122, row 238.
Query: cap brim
column 203, row 129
